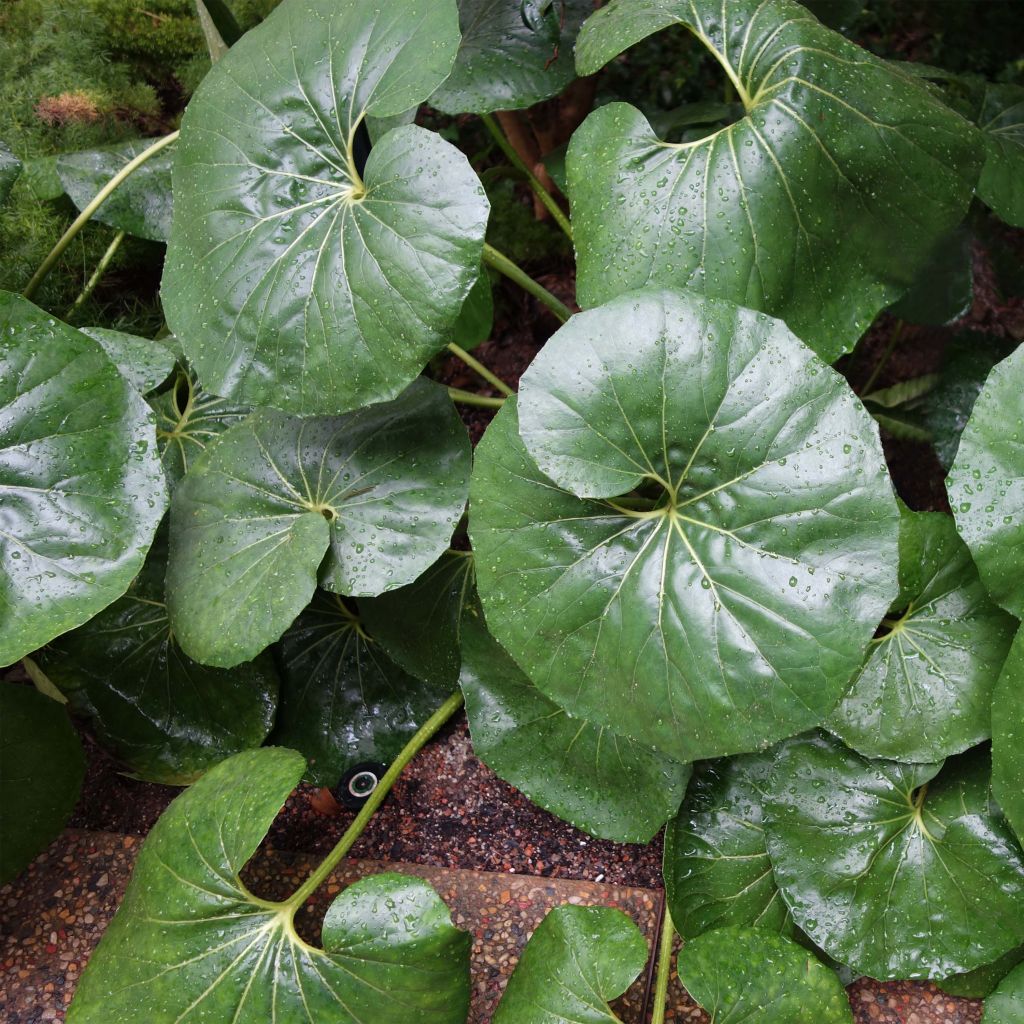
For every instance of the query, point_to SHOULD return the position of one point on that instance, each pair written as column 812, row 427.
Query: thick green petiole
column 504, row 265
column 477, row 367
column 469, row 398
column 668, row 934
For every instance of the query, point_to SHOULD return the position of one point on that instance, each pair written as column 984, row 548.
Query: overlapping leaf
column 986, row 483
column 594, row 778
column 726, row 609
column 1001, row 119
column 343, row 700
column 982, row 981
column 41, row 772
column 191, row 943
column 819, row 206
column 576, row 962
column 295, row 277
column 716, row 865
column 1006, row 1004
column 899, row 870
column 925, row 689
column 507, row 60
column 165, row 717
column 1008, row 737
column 145, row 363
column 365, row 502
column 80, row 485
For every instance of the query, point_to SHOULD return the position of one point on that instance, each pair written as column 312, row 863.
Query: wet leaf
column 1006, row 1004
column 507, row 61
column 80, row 484
column 1008, row 737
column 10, row 168
column 1001, row 119
column 364, row 502
column 190, row 942
column 597, row 780
column 899, row 870
column 576, row 962
column 812, row 207
column 145, row 363
column 986, row 483
column 295, row 277
column 944, row 288
column 477, row 315
column 982, row 981
column 925, row 689
column 343, row 700
column 716, row 866
column 726, row 603
column 141, row 205
column 747, row 974
column 165, row 717
column 41, row 771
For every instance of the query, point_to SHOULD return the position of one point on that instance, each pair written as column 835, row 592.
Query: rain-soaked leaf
column 726, row 603
column 1001, row 119
column 507, row 61
column 41, row 771
column 10, row 168
column 819, row 206
column 716, row 866
column 944, row 288
column 925, row 688
column 899, row 870
column 145, row 363
column 592, row 777
column 980, row 983
column 477, row 315
column 1006, row 1004
column 296, row 277
column 1008, row 737
column 576, row 962
column 165, row 717
column 364, row 502
column 80, row 485
column 190, row 943
column 749, row 974
column 986, row 483
column 141, row 205
column 188, row 421
column 343, row 700
column 420, row 625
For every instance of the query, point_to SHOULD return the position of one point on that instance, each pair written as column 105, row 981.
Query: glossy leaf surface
column 986, row 483
column 1006, row 1004
column 10, row 168
column 506, row 61
column 141, row 205
column 476, row 317
column 365, row 501
column 145, row 363
column 296, row 278
column 189, row 943
column 599, row 781
column 982, row 981
column 716, row 866
column 811, row 207
column 80, row 485
column 925, row 689
column 944, row 287
column 1001, row 119
column 167, row 718
column 343, row 700
column 1008, row 737
column 41, row 771
column 899, row 870
column 747, row 974
column 576, row 962
column 732, row 612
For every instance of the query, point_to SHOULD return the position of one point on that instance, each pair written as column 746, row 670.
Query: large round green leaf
column 343, row 700
column 81, row 491
column 164, row 716
column 716, row 866
column 1001, row 119
column 899, row 870
column 366, row 501
column 189, row 943
column 819, row 206
column 145, row 363
column 725, row 606
column 507, row 60
column 594, row 778
column 746, row 974
column 1008, row 737
column 295, row 278
column 41, row 772
column 1006, row 1004
column 925, row 689
column 986, row 483
column 577, row 960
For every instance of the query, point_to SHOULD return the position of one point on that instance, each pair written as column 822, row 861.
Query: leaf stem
column 504, row 265
column 469, row 398
column 94, row 204
column 474, row 364
column 376, row 798
column 101, row 267
column 894, row 340
column 668, row 934
column 549, row 201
